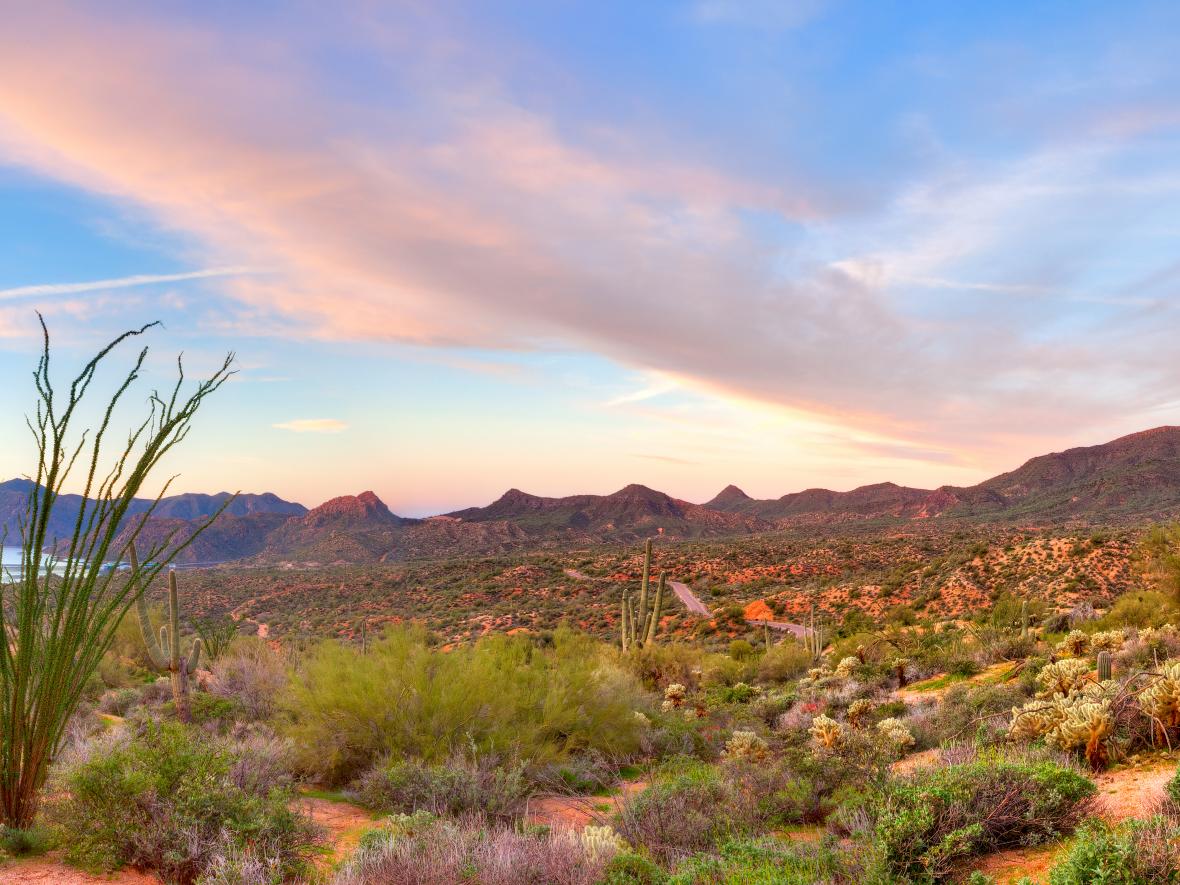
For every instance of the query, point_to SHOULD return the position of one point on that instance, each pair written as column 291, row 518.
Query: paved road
column 685, row 595
column 693, row 604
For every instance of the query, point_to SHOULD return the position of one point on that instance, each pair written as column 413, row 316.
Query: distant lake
column 10, row 564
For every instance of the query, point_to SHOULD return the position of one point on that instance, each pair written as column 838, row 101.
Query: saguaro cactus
column 640, row 626
column 814, row 637
column 165, row 651
column 1024, row 619
column 1103, row 666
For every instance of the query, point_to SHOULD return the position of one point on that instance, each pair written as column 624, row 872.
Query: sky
column 566, row 246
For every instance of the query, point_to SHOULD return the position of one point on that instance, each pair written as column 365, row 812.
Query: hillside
column 1135, row 477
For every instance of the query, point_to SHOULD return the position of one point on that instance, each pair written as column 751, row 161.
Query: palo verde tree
column 59, row 613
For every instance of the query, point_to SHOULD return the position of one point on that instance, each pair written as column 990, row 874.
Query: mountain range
column 1134, row 478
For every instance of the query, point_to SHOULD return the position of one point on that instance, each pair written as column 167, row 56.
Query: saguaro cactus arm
column 654, row 623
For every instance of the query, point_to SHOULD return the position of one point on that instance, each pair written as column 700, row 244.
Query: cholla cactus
column 847, row 666
column 859, row 711
column 746, row 745
column 600, row 843
column 827, row 732
column 899, row 666
column 641, row 719
column 1076, row 643
column 1063, row 677
column 674, row 696
column 1107, row 640
column 897, row 733
column 814, row 675
column 1035, row 719
column 1161, row 699
column 1087, row 725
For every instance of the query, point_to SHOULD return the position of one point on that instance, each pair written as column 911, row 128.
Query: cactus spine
column 640, row 626
column 1103, row 666
column 165, row 652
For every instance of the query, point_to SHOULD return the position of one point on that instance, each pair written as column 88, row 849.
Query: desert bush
column 165, row 798
column 686, row 809
column 659, row 664
column 784, row 661
column 250, row 673
column 449, row 852
column 118, row 701
column 925, row 824
column 1142, row 608
column 346, row 710
column 1137, row 853
column 963, row 714
column 459, row 787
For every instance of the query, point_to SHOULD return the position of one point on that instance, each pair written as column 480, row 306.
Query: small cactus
column 1161, row 699
column 1076, row 643
column 747, row 746
column 859, row 711
column 1063, row 677
column 1104, row 666
column 674, row 696
column 1107, row 640
column 897, row 733
column 165, row 652
column 827, row 733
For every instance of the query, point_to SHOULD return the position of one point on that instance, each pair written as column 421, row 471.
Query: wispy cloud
column 459, row 216
column 54, row 289
column 658, row 387
column 313, row 425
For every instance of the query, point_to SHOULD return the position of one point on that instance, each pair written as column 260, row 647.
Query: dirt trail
column 577, row 812
column 50, row 871
column 1009, row 867
column 343, row 822
column 1134, row 790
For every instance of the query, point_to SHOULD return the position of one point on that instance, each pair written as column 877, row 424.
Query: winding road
column 693, row 604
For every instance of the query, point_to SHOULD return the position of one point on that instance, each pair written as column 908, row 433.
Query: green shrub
column 169, row 799
column 24, row 842
column 1137, row 853
column 687, row 809
column 764, row 862
column 457, row 788
column 784, row 661
column 503, row 696
column 927, row 823
column 629, row 868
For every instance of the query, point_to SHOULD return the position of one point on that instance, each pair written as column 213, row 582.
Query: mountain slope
column 1133, row 477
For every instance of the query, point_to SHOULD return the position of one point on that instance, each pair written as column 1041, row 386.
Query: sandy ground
column 577, row 812
column 47, row 870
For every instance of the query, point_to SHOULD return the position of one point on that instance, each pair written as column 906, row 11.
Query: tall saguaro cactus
column 814, row 637
column 639, row 627
column 165, row 651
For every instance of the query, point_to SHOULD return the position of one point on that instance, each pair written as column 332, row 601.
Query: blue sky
column 567, row 246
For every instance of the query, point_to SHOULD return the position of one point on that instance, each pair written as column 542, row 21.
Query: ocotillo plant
column 60, row 614
column 165, row 653
column 1103, row 666
column 640, row 626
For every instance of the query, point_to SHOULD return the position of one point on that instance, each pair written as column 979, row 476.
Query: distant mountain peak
column 365, row 507
column 729, row 497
